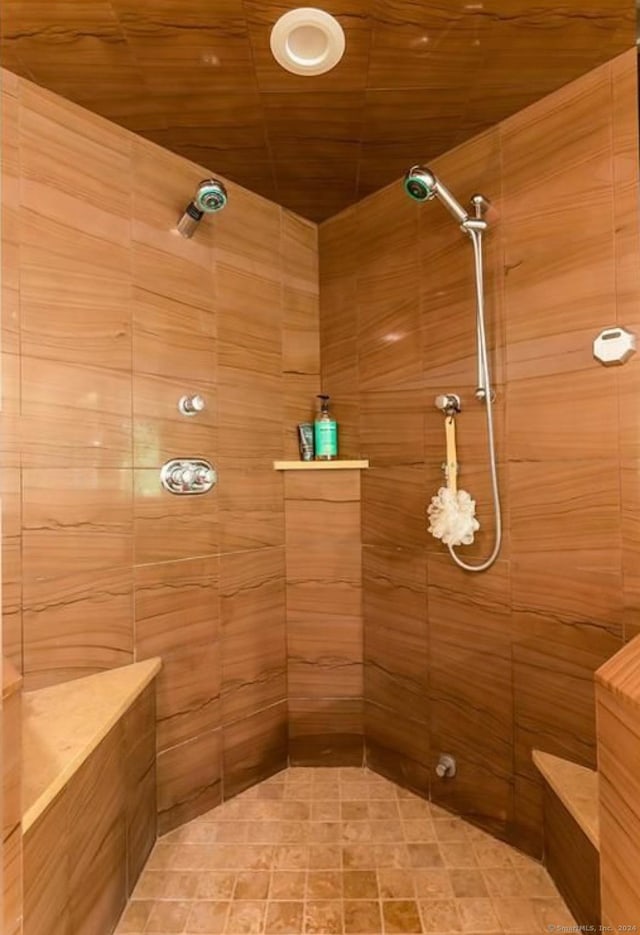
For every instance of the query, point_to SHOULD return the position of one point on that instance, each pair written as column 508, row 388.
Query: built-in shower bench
column 88, row 797
column 571, row 833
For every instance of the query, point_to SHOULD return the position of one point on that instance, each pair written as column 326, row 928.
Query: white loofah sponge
column 452, row 517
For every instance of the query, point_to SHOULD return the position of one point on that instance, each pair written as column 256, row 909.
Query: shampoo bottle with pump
column 325, row 432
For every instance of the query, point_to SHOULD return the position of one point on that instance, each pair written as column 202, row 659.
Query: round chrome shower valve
column 192, row 476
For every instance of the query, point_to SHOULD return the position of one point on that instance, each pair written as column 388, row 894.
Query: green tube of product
column 325, row 432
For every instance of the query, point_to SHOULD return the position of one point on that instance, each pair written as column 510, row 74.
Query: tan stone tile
column 420, row 831
column 433, row 884
column 392, row 855
column 458, row 855
column 355, row 790
column 252, row 857
column 296, row 811
column 516, row 914
column 493, row 854
column 450, row 830
column 168, row 916
column 414, row 808
column 535, row 882
column 284, row 918
column 293, row 832
column 298, row 790
column 161, row 857
column 326, row 789
column 362, row 916
column 207, row 916
column 401, row 916
column 135, row 917
column 263, row 832
column 425, row 855
column 358, row 857
column 215, row 884
column 166, row 884
column 440, row 915
column 197, row 856
column 288, row 884
column 354, row 810
column 386, row 830
column 323, row 832
column 356, row 832
column 395, row 884
column 349, row 774
column 360, row 884
column 553, row 912
column 325, row 857
column 503, row 881
column 325, row 811
column 251, row 884
column 324, row 884
column 290, row 857
column 468, row 882
column 323, row 918
column 384, row 808
column 380, row 789
column 271, row 792
column 246, row 917
column 477, row 915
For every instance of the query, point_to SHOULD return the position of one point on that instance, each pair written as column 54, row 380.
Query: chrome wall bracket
column 187, row 476
column 449, row 403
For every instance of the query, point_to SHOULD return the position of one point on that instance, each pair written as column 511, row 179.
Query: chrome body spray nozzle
column 210, row 196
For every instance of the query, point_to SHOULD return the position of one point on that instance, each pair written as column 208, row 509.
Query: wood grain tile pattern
column 11, row 780
column 118, row 318
column 189, row 779
column 98, row 829
column 618, row 774
column 542, row 629
column 152, row 70
column 253, row 625
column 76, row 624
column 254, row 748
column 572, row 861
column 326, row 732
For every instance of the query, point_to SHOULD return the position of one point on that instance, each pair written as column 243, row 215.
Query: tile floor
column 338, row 851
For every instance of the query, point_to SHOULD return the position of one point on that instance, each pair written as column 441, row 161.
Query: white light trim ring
column 307, row 41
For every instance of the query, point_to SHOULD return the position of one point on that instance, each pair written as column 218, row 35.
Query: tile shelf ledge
column 336, row 465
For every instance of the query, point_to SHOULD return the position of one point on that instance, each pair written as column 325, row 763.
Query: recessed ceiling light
column 307, row 41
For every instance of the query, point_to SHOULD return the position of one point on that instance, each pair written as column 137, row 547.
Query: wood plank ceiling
column 417, row 78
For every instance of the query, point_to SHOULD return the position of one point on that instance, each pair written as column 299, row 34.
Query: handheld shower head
column 421, row 184
column 210, row 196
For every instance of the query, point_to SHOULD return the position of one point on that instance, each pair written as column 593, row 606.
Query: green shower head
column 211, row 196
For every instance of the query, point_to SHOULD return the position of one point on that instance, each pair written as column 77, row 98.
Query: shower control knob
column 203, row 476
column 191, row 476
column 191, row 405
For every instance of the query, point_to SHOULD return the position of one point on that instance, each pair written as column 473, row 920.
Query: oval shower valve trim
column 188, row 476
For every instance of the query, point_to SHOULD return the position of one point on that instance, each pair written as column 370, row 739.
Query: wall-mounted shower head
column 210, row 196
column 421, row 184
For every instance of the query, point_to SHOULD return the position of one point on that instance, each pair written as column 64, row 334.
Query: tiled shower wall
column 108, row 318
column 489, row 666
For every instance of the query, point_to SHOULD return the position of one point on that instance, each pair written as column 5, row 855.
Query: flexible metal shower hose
column 476, row 239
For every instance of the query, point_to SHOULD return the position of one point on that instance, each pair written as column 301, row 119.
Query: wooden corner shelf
column 336, row 465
